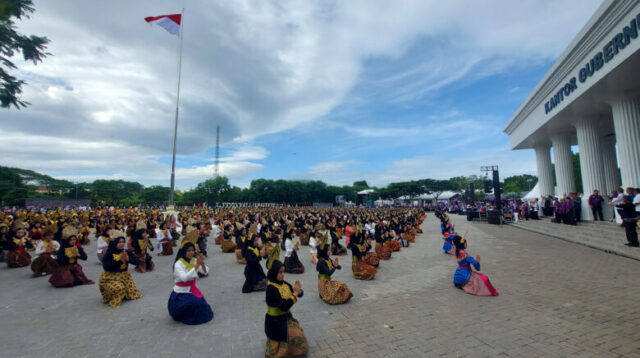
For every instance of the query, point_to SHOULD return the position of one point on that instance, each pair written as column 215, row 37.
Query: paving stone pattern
column 557, row 299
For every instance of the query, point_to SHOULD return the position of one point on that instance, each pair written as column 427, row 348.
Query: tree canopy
column 11, row 42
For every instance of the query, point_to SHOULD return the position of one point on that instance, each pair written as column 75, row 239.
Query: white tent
column 533, row 194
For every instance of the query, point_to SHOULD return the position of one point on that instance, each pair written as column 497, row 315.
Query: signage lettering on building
column 609, row 51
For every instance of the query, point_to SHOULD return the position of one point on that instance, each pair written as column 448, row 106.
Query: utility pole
column 217, row 162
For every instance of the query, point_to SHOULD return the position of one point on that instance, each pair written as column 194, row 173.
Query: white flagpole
column 175, row 127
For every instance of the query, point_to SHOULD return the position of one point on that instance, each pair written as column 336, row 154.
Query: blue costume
column 448, row 242
column 463, row 272
column 186, row 303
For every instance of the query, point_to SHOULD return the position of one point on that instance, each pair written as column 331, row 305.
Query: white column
column 563, row 160
column 590, row 151
column 591, row 166
column 545, row 174
column 626, row 120
column 610, row 163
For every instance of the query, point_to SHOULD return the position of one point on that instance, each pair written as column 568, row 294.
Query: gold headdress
column 69, row 231
column 51, row 229
column 463, row 237
column 19, row 225
column 191, row 236
column 116, row 234
column 274, row 255
column 141, row 225
column 324, row 241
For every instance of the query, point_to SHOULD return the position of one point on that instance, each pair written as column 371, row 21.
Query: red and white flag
column 170, row 23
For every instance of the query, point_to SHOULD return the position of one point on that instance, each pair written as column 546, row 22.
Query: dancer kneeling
column 331, row 291
column 116, row 283
column 285, row 337
column 361, row 270
column 255, row 280
column 292, row 263
column 47, row 249
column 69, row 272
column 186, row 303
column 465, row 278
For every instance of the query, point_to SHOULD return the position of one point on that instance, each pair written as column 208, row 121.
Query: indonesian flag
column 170, row 23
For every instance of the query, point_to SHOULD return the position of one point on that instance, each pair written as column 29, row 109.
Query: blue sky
column 327, row 90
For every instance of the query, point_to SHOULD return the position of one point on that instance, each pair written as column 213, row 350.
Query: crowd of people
column 130, row 237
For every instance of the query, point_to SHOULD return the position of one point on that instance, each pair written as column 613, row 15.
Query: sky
column 338, row 91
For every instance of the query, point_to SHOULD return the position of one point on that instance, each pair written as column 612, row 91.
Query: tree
column 32, row 49
column 361, row 183
column 519, row 183
column 156, row 194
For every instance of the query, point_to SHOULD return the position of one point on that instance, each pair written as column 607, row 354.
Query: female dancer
column 186, row 303
column 116, row 282
column 331, row 291
column 465, row 278
column 285, row 336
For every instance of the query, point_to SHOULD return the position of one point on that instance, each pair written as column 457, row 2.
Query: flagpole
column 175, row 127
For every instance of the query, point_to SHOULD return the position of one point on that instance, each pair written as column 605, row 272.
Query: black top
column 276, row 327
column 325, row 269
column 64, row 260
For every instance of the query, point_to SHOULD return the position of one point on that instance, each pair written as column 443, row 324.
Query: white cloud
column 253, row 67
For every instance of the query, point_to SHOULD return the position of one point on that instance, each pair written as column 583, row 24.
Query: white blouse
column 312, row 245
column 40, row 248
column 288, row 245
column 180, row 274
column 101, row 244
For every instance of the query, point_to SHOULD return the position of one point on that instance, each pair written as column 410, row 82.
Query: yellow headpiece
column 274, row 255
column 191, row 236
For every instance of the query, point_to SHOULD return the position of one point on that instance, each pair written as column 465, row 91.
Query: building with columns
column 590, row 98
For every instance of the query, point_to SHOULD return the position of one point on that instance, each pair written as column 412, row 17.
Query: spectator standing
column 595, row 203
column 629, row 220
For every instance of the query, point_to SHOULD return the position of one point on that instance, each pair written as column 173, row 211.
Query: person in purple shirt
column 567, row 208
column 557, row 210
column 595, row 203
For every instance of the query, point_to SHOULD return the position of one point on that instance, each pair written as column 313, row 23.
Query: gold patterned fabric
column 334, row 292
column 116, row 286
column 296, row 344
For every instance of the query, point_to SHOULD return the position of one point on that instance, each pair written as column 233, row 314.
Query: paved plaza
column 557, row 299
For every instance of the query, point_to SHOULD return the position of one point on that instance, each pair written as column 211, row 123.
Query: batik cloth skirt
column 69, row 275
column 117, row 286
column 296, row 344
column 18, row 258
column 409, row 236
column 43, row 264
column 189, row 309
column 362, row 271
column 479, row 285
column 228, row 246
column 239, row 258
column 383, row 252
column 292, row 264
column 167, row 249
column 334, row 292
column 371, row 258
column 146, row 263
column 393, row 245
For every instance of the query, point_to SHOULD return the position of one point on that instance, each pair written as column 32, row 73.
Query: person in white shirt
column 186, row 303
column 314, row 240
column 47, row 250
column 292, row 263
column 102, row 243
column 636, row 199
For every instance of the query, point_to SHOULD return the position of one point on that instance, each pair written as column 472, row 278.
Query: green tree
column 32, row 49
column 156, row 194
column 519, row 183
column 16, row 196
